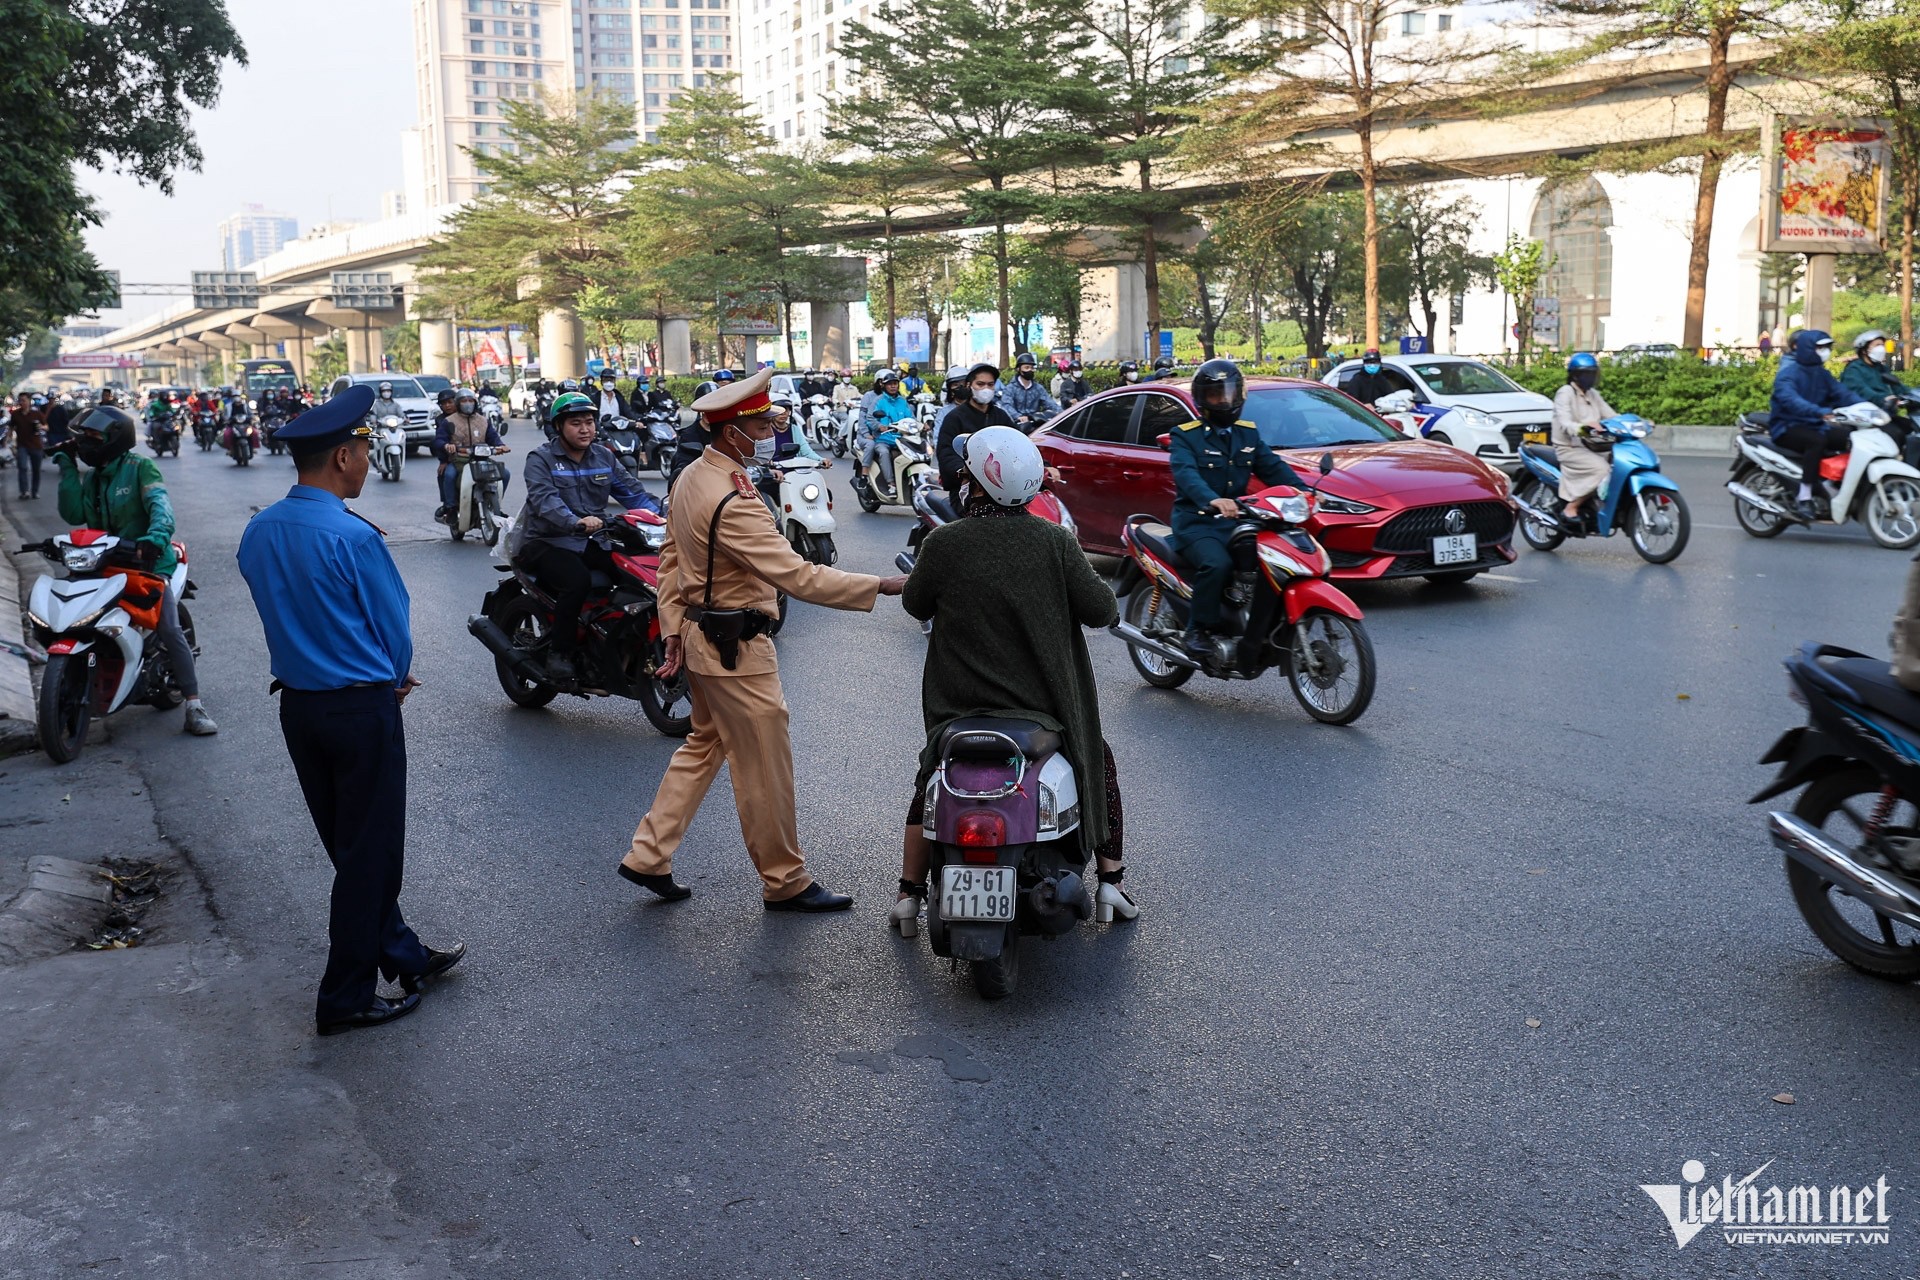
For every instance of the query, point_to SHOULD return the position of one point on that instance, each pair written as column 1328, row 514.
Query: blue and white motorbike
column 1637, row 498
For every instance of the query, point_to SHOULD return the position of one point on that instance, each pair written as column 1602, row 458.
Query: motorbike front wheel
column 995, row 979
column 1539, row 536
column 522, row 623
column 863, row 490
column 489, row 519
column 1893, row 513
column 1153, row 668
column 66, row 706
column 1849, row 928
column 667, row 703
column 1762, row 524
column 1661, row 539
column 1330, row 666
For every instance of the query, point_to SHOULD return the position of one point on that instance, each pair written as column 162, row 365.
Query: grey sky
column 310, row 127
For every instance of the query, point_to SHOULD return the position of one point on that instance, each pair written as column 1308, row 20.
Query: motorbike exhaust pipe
column 1767, row 505
column 904, row 562
column 489, row 634
column 1135, row 636
column 1535, row 513
column 1807, row 845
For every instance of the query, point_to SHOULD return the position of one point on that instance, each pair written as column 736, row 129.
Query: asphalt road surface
column 1314, row 1053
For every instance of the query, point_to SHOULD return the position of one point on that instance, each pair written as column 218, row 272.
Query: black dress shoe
column 664, row 887
column 438, row 962
column 815, row 897
column 380, row 1011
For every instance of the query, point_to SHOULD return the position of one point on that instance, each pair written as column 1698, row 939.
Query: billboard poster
column 749, row 312
column 912, row 341
column 1824, row 186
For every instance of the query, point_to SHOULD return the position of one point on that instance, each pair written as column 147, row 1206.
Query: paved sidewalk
column 16, row 675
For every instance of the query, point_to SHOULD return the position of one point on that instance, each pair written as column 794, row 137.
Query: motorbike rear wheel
column 66, row 706
column 1836, row 918
column 521, row 622
column 995, row 979
column 1761, row 524
column 1540, row 537
column 1661, row 545
column 1153, row 668
column 1893, row 513
column 1330, row 666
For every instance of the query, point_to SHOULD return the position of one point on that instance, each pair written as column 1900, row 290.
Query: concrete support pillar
column 365, row 345
column 437, row 353
column 832, row 335
column 299, row 349
column 1114, row 318
column 676, row 345
column 1819, row 308
column 563, row 343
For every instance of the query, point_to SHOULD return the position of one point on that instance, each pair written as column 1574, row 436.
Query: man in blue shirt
column 336, row 617
column 1804, row 393
column 1214, row 460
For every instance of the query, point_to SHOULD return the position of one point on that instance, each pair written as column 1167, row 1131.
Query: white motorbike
column 926, row 410
column 496, row 413
column 1875, row 486
column 911, row 460
column 99, row 659
column 476, row 503
column 389, row 445
column 804, row 508
column 823, row 425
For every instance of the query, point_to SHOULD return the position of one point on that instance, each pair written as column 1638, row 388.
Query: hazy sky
column 311, row 127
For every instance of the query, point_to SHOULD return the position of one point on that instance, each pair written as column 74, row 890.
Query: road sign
column 1413, row 345
column 114, row 301
column 225, row 290
column 364, row 291
column 754, row 313
column 97, row 360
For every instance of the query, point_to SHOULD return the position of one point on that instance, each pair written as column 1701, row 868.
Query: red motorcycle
column 620, row 648
column 1278, row 610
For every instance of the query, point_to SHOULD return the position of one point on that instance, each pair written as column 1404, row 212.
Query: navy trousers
column 1203, row 545
column 350, row 753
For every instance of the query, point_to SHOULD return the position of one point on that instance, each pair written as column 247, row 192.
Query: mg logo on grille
column 1455, row 521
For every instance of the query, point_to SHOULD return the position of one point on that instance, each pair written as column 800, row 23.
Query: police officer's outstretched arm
column 748, row 538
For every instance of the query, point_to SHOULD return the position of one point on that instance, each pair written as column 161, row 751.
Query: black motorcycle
column 206, row 430
column 1852, row 840
column 270, row 431
column 624, row 439
column 163, row 437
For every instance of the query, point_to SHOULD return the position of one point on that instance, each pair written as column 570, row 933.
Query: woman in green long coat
column 1012, row 592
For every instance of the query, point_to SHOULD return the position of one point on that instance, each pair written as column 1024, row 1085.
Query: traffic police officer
column 1213, row 460
column 336, row 618
column 720, row 568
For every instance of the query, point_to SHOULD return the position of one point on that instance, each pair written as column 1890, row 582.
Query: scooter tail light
column 980, row 835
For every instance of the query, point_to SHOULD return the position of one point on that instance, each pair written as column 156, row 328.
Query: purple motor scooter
column 1002, row 821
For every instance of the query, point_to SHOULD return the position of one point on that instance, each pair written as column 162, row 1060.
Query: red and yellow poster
column 1828, row 188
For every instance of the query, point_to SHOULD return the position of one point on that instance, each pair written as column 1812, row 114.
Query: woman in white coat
column 1576, row 405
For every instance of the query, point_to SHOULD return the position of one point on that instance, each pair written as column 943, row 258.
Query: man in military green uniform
column 1214, row 458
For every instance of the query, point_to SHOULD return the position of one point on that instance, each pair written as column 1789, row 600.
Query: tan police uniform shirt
column 752, row 562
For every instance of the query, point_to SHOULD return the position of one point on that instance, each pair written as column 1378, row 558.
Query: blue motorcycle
column 1637, row 498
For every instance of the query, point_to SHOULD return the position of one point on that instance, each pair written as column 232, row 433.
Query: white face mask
column 1132, row 376
column 763, row 450
column 983, row 395
column 1877, row 352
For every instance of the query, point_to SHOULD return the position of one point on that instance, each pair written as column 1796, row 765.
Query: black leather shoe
column 815, row 897
column 1197, row 643
column 382, row 1010
column 438, row 962
column 560, row 668
column 665, row 887
column 1806, row 511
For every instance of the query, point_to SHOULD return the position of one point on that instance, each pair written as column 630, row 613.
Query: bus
column 259, row 377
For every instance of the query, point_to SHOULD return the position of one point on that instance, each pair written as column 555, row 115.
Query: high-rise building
column 789, row 61
column 471, row 55
column 252, row 234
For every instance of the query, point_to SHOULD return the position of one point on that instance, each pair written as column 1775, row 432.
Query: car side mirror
column 1326, row 464
column 1164, row 440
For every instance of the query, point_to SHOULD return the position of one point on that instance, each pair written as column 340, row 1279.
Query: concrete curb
column 63, row 905
column 1694, row 442
column 16, row 669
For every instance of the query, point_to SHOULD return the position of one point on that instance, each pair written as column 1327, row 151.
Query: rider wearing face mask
column 1869, row 376
column 1804, row 393
column 1129, row 371
column 1372, row 381
column 1027, row 400
column 453, row 441
column 977, row 413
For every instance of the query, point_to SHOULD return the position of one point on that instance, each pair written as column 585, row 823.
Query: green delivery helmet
column 572, row 402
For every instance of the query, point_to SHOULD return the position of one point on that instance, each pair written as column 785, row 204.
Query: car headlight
column 1478, row 418
column 81, row 559
column 810, row 493
column 1344, row 506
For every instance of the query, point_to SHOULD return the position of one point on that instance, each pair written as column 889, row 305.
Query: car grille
column 1516, row 436
column 1411, row 532
column 418, row 417
column 1349, row 559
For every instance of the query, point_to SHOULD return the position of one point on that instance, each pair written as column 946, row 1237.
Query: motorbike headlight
column 390, row 422
column 810, row 493
column 653, row 534
column 1294, row 510
column 82, row 559
column 1344, row 506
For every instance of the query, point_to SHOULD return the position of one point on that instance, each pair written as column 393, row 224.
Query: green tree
column 874, row 188
column 1046, row 282
column 1132, row 87
column 548, row 228
column 1427, row 258
column 1309, row 245
column 107, row 84
column 1518, row 270
column 976, row 90
column 402, row 343
column 327, row 359
column 1311, row 64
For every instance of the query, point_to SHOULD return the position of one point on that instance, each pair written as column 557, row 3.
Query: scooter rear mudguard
column 1317, row 593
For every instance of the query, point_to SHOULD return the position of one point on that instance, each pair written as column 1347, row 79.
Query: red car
column 1393, row 507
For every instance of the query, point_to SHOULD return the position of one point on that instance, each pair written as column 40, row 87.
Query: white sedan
column 1457, row 401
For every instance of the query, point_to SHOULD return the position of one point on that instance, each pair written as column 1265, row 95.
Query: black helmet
column 116, row 434
column 1129, row 367
column 571, row 384
column 1219, row 392
column 1163, row 365
column 1024, row 358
